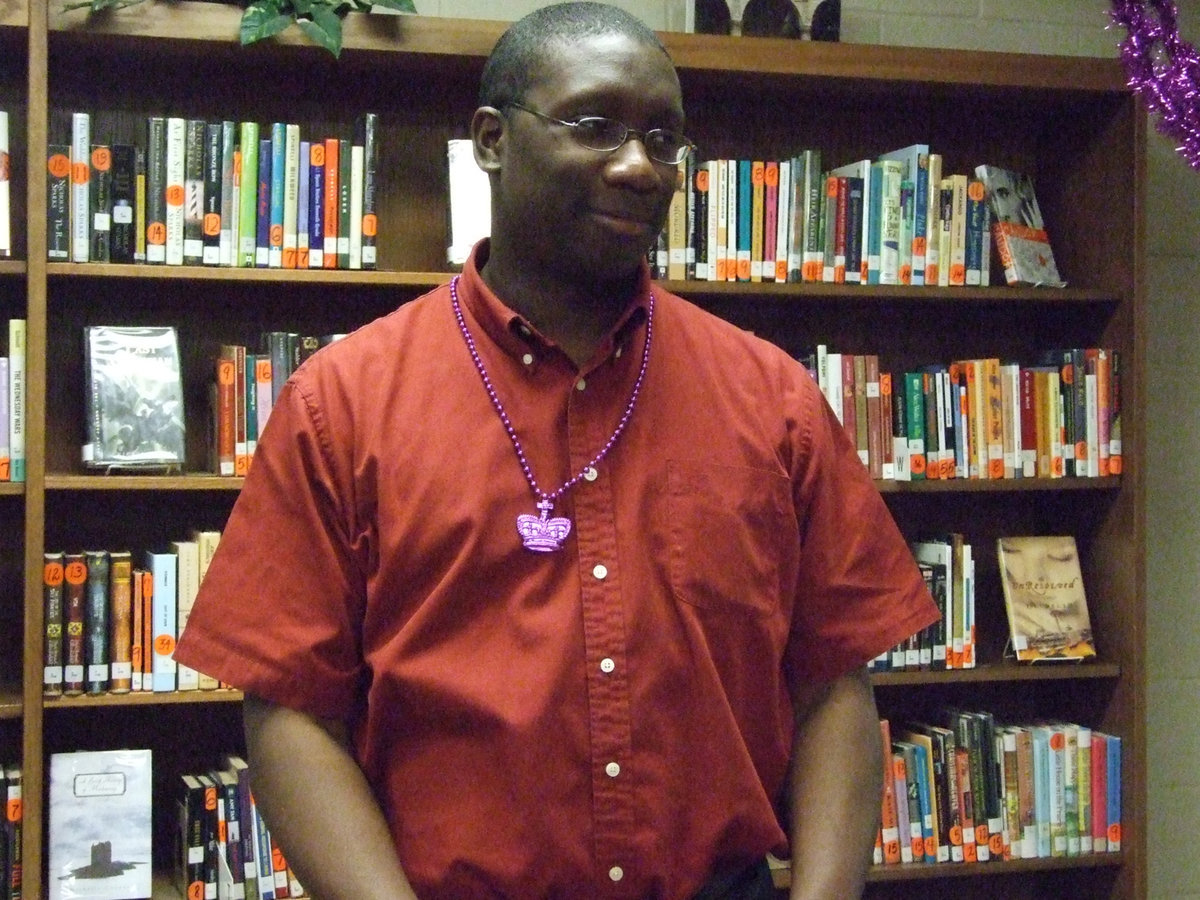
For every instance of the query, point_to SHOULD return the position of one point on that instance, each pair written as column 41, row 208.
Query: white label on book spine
column 122, row 670
column 52, row 675
column 73, row 673
column 97, row 672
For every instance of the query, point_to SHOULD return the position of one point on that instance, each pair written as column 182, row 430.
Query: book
column 1018, row 229
column 291, row 193
column 262, row 206
column 368, row 125
column 100, row 203
column 122, row 237
column 231, row 165
column 187, row 585
column 1044, row 597
column 163, row 569
column 194, row 142
column 11, row 852
column 120, row 621
column 190, row 837
column 100, row 825
column 74, row 616
column 176, row 177
column 245, row 242
column 330, row 203
column 134, row 397
column 914, row 160
column 156, row 190
column 5, row 189
column 96, row 622
column 58, row 202
column 345, row 189
column 211, row 227
column 53, row 594
column 81, row 178
column 17, row 395
column 356, row 200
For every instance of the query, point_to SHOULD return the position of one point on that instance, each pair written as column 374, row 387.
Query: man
column 560, row 587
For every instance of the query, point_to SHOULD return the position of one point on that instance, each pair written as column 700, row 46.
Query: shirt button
column 590, row 474
column 612, row 770
column 607, row 665
column 581, row 384
column 527, row 359
column 616, row 873
column 600, row 571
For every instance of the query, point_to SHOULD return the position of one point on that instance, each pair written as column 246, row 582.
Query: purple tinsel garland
column 1164, row 69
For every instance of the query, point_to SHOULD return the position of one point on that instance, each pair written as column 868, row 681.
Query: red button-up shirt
column 611, row 720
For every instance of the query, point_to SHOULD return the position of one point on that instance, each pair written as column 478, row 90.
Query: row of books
column 224, row 849
column 5, row 189
column 246, row 385
column 983, row 418
column 11, row 877
column 221, row 193
column 112, row 620
column 969, row 789
column 948, row 567
column 101, row 816
column 13, row 392
column 895, row 219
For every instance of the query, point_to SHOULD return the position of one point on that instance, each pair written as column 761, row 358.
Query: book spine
column 162, row 567
column 262, row 209
column 81, row 175
column 889, row 238
column 139, row 203
column 330, row 204
column 732, row 204
column 58, row 202
column 100, row 210
column 356, row 200
column 194, row 140
column 247, row 233
column 933, row 220
column 5, row 189
column 17, row 395
column 745, row 220
column 250, row 392
column 176, row 172
column 229, row 144
column 291, row 194
column 137, row 643
column 96, row 622
column 123, row 234
column 316, row 205
column 214, row 197
column 889, row 809
column 907, row 211
column 75, row 574
column 278, row 195
column 829, row 230
column 53, row 584
column 120, row 621
column 345, row 189
column 370, row 202
column 156, row 190
column 187, row 585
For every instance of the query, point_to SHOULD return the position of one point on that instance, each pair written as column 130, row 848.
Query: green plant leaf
column 263, row 19
column 407, row 6
column 302, row 8
column 324, row 28
column 99, row 5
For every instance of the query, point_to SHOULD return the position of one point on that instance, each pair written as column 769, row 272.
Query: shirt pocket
column 731, row 530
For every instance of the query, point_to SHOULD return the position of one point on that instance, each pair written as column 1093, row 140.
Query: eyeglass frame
column 687, row 147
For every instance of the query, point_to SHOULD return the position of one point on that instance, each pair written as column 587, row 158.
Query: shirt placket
column 609, row 724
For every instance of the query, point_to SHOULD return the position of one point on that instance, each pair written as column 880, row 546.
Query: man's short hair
column 517, row 57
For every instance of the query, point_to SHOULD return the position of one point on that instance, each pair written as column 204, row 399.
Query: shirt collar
column 516, row 335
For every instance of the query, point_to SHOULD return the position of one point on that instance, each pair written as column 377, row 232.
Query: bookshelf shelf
column 1072, row 122
column 1001, row 673
column 143, row 698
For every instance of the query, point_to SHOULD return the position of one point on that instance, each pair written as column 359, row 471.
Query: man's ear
column 487, row 137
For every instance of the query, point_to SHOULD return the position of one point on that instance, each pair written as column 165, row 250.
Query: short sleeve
column 859, row 590
column 279, row 611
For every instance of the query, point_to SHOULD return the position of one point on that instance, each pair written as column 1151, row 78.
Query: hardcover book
column 100, row 832
column 1017, row 226
column 134, row 397
column 1044, row 596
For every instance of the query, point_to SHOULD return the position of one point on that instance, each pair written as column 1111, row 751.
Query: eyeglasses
column 606, row 135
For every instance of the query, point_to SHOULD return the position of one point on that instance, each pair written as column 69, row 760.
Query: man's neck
column 575, row 316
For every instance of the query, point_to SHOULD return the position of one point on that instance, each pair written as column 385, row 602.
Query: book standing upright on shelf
column 100, row 825
column 1044, row 596
column 134, row 397
column 5, row 189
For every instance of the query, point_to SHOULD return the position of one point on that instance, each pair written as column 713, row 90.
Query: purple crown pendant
column 543, row 534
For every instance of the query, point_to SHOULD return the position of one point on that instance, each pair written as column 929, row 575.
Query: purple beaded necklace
column 542, row 533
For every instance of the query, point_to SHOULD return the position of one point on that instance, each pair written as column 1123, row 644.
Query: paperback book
column 1017, row 226
column 1044, row 596
column 134, row 397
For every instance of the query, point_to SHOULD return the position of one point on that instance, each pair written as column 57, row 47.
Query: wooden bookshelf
column 1071, row 122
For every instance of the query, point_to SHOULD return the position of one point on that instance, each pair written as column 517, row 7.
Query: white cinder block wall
column 1078, row 28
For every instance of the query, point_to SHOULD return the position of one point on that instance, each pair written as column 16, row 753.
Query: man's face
column 576, row 212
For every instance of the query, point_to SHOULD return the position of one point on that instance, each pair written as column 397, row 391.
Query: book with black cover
column 134, row 397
